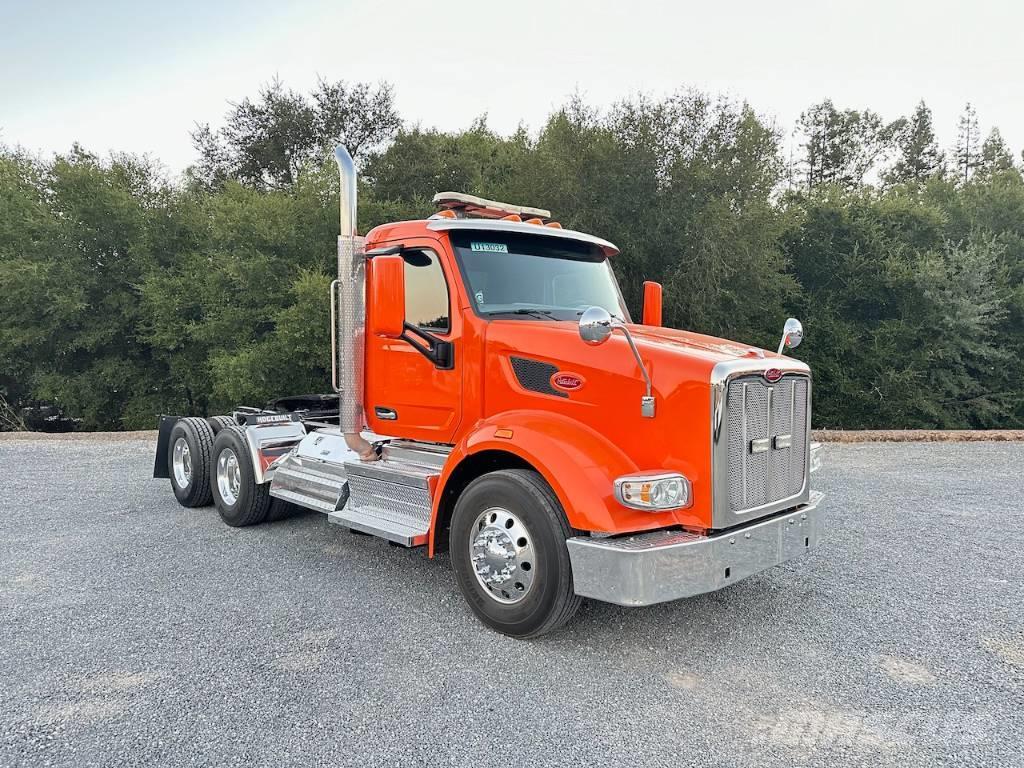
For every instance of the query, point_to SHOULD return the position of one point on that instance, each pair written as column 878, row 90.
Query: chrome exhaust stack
column 348, row 303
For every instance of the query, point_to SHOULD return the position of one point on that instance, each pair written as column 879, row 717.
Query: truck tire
column 219, row 422
column 188, row 461
column 507, row 545
column 281, row 510
column 240, row 501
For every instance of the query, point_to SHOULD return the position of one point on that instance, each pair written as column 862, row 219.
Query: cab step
column 390, row 498
column 429, row 455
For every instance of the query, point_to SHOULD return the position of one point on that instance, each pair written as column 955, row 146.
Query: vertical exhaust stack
column 350, row 325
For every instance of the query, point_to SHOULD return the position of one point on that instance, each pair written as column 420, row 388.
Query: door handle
column 387, row 414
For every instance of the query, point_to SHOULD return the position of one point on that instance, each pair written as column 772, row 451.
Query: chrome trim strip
column 744, row 406
column 792, row 420
column 359, row 520
column 658, row 566
column 515, row 227
column 816, row 456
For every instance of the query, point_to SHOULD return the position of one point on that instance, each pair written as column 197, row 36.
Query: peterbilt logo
column 566, row 382
column 772, row 375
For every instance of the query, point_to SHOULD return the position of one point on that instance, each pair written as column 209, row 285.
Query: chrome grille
column 762, row 468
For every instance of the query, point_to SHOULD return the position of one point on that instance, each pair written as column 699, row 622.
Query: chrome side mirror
column 596, row 326
column 792, row 334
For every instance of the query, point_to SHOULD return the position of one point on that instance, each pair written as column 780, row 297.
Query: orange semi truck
column 493, row 398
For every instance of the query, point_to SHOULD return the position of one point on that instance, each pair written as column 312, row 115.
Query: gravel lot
column 133, row 631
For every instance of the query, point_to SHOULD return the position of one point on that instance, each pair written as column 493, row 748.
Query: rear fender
column 578, row 463
column 269, row 442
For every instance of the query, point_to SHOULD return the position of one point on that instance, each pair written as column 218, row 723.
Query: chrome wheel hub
column 229, row 476
column 181, row 462
column 501, row 550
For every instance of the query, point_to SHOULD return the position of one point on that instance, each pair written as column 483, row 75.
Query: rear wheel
column 219, row 422
column 508, row 551
column 240, row 501
column 188, row 461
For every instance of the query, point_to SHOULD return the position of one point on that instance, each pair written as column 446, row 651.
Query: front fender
column 579, row 463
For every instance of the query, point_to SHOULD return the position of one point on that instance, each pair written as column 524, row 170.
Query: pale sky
column 137, row 76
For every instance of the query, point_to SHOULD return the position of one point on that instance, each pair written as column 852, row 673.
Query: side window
column 426, row 292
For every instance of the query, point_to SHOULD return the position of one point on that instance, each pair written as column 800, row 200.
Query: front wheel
column 507, row 544
column 240, row 501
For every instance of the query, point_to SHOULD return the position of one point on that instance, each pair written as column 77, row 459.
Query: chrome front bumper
column 659, row 566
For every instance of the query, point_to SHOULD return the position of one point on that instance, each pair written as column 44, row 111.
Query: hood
column 673, row 358
column 606, row 388
column 710, row 348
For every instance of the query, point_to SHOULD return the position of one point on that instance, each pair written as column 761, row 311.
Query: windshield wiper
column 543, row 314
column 614, row 316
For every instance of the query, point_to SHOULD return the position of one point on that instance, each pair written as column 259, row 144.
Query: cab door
column 407, row 395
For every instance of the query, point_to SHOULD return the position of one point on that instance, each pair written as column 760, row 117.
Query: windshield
column 513, row 276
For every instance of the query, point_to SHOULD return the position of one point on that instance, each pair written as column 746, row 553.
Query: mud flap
column 163, row 440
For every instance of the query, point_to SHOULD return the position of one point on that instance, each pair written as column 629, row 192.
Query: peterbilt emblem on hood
column 567, row 382
column 772, row 375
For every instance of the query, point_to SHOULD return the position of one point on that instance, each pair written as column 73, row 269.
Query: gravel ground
column 133, row 631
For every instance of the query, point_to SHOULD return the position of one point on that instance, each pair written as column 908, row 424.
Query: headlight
column 653, row 491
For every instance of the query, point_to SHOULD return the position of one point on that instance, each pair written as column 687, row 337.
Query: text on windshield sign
column 489, row 247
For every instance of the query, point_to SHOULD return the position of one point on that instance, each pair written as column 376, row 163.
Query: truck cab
column 497, row 400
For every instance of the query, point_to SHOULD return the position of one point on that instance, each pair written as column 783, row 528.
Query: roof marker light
column 471, row 206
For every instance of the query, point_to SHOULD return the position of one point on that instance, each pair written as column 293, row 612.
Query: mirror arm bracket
column 438, row 351
column 391, row 250
column 647, row 401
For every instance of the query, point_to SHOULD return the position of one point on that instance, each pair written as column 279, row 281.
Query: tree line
column 125, row 294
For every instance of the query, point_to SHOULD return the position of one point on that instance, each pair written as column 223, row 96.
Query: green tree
column 71, row 314
column 967, row 152
column 995, row 156
column 265, row 143
column 26, row 228
column 842, row 146
column 420, row 163
column 910, row 327
column 919, row 155
column 123, row 296
column 963, row 292
column 223, row 301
